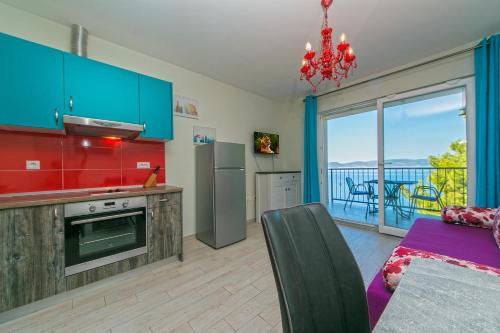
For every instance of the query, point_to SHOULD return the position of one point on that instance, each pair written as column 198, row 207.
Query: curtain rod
column 454, row 54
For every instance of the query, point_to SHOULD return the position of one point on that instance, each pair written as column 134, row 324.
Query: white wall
column 437, row 72
column 235, row 113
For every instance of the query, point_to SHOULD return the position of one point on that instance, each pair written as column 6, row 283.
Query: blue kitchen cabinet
column 96, row 90
column 31, row 84
column 156, row 114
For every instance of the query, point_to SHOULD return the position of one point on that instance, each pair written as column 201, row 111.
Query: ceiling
column 258, row 45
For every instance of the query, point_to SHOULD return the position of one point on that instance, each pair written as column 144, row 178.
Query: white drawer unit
column 276, row 190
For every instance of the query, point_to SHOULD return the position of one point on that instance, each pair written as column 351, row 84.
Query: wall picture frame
column 186, row 107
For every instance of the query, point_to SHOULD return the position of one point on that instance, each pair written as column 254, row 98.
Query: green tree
column 452, row 169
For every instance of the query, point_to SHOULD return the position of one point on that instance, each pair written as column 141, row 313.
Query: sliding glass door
column 402, row 157
column 424, row 154
column 351, row 140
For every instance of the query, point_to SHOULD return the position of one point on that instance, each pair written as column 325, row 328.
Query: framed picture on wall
column 185, row 107
column 203, row 135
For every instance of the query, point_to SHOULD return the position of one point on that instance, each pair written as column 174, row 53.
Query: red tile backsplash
column 16, row 149
column 92, row 158
column 131, row 176
column 92, row 178
column 74, row 162
column 131, row 157
column 30, row 181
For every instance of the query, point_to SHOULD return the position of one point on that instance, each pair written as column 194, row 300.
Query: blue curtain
column 311, row 177
column 487, row 68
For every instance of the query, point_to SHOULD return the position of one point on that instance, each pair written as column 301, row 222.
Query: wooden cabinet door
column 31, row 84
column 156, row 112
column 164, row 226
column 31, row 254
column 96, row 90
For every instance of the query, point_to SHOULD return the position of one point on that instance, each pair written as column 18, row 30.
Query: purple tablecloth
column 462, row 242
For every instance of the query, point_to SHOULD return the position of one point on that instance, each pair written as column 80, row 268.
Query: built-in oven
column 101, row 232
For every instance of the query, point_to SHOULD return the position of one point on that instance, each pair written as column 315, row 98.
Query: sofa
column 459, row 241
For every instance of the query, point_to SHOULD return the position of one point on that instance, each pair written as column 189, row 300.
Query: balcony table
column 393, row 194
column 438, row 297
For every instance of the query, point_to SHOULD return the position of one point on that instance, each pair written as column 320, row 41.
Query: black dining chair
column 320, row 288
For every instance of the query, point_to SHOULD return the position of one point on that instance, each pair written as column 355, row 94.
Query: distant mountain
column 373, row 164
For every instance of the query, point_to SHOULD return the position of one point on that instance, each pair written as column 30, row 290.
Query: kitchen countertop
column 275, row 172
column 438, row 297
column 67, row 197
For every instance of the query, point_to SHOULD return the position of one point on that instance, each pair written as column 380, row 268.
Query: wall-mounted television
column 266, row 143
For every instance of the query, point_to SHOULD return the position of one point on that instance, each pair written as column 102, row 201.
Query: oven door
column 100, row 239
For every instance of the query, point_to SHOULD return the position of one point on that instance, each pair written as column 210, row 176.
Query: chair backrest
column 350, row 184
column 441, row 187
column 320, row 287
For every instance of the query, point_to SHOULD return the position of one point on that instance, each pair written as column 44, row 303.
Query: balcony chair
column 434, row 195
column 354, row 190
column 320, row 288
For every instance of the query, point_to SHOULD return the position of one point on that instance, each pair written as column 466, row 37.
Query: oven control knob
column 92, row 209
column 125, row 204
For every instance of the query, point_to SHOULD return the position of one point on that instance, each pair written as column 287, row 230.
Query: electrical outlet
column 32, row 165
column 143, row 165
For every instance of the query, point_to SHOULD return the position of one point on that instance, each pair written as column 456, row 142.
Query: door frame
column 469, row 85
column 323, row 118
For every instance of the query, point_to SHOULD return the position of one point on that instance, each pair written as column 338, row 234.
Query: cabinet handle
column 56, row 116
column 152, row 214
column 70, row 103
column 55, row 213
column 144, row 127
column 163, row 200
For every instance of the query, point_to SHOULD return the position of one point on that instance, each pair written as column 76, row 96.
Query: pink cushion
column 396, row 266
column 472, row 216
column 496, row 228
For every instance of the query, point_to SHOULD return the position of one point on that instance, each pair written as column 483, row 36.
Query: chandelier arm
column 331, row 62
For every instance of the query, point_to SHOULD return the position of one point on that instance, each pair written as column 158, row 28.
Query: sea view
column 414, row 170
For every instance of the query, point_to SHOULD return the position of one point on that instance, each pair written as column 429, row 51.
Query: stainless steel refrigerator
column 220, row 193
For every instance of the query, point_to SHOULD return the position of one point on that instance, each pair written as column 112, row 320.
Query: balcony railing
column 454, row 193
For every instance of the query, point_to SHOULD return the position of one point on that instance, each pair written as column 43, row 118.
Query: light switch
column 143, row 165
column 32, row 165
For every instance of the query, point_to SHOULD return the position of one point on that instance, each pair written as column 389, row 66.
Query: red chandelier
column 330, row 63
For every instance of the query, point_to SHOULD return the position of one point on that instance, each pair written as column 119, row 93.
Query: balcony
column 410, row 190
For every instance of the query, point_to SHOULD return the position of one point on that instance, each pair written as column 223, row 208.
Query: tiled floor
column 228, row 290
column 357, row 213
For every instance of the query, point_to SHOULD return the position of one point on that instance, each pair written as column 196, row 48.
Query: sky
column 414, row 129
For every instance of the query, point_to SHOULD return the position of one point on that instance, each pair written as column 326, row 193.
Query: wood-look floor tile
column 227, row 290
column 220, row 327
column 271, row 314
column 256, row 325
column 246, row 312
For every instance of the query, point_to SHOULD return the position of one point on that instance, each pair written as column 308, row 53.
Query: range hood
column 103, row 128
column 90, row 126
